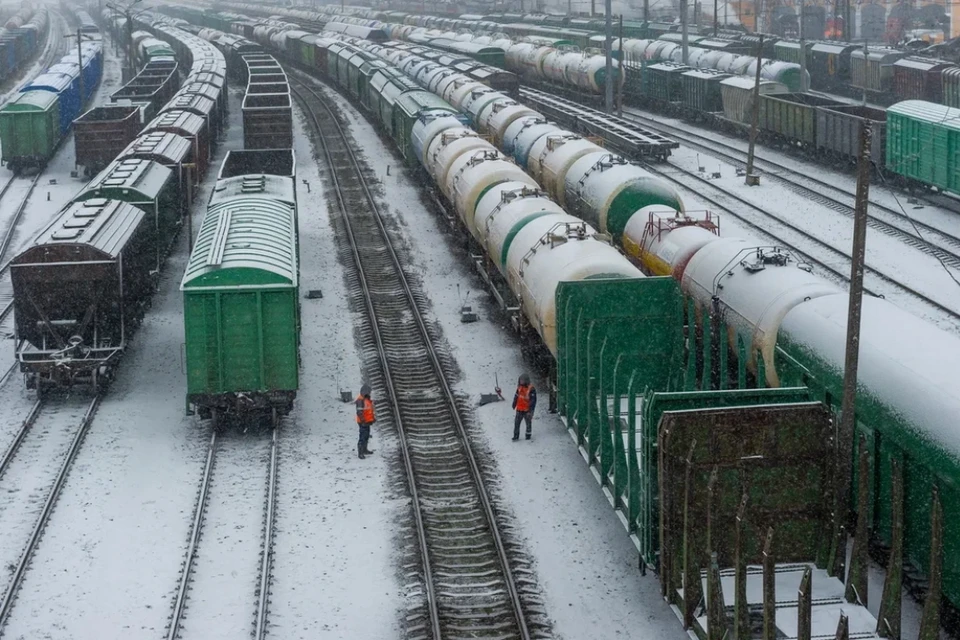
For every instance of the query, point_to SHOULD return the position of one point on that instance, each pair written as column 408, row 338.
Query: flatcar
column 241, row 296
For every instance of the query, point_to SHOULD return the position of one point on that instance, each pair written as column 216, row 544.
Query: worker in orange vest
column 524, row 401
column 365, row 418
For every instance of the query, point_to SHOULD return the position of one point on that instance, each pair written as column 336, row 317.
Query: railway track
column 52, row 432
column 470, row 585
column 234, row 475
column 6, row 285
column 929, row 239
column 784, row 233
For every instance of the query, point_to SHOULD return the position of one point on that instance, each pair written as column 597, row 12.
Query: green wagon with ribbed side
column 29, row 129
column 241, row 302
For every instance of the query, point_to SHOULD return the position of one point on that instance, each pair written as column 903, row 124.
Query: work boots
column 368, row 452
column 360, row 452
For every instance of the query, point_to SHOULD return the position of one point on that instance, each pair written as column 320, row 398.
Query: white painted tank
column 447, row 147
column 531, row 61
column 500, row 116
column 473, row 173
column 477, row 101
column 518, row 125
column 590, row 73
column 527, row 136
column 503, row 211
column 557, row 157
column 445, row 85
column 555, row 64
column 426, row 128
column 458, row 91
column 552, row 249
column 665, row 250
column 539, row 148
column 606, row 190
column 756, row 287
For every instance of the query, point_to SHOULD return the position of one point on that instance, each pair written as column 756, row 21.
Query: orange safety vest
column 367, row 417
column 523, row 397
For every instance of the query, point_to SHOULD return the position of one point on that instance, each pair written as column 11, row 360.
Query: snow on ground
column 39, row 64
column 117, row 538
column 886, row 255
column 585, row 562
column 336, row 559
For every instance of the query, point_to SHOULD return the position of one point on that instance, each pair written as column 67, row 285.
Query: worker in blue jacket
column 524, row 401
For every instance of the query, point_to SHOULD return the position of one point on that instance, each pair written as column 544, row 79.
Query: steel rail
column 179, row 604
column 6, row 605
column 15, row 220
column 837, row 273
column 267, row 561
column 18, row 438
column 388, row 377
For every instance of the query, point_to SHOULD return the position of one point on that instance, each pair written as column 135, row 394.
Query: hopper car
column 81, row 286
column 772, row 325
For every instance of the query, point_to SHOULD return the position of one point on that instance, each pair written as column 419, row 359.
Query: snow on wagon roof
column 105, row 225
column 256, row 231
column 144, row 177
column 906, row 363
column 927, row 111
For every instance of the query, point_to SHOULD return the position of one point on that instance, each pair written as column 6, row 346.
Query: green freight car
column 921, row 142
column 241, row 302
column 30, row 129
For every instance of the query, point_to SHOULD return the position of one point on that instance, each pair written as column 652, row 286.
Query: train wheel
column 274, row 417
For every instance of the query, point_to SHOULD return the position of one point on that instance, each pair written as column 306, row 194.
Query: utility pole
column 80, row 62
column 866, row 61
column 716, row 18
column 803, row 53
column 683, row 31
column 620, row 72
column 753, row 180
column 608, row 28
column 852, row 359
column 646, row 13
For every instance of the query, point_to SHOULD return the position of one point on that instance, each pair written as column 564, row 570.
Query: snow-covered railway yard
column 109, row 562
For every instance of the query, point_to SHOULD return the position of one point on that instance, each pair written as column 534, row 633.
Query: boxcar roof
column 31, row 101
column 184, row 122
column 144, row 177
column 163, row 147
column 56, row 82
column 105, row 225
column 263, row 186
column 927, row 112
column 257, row 233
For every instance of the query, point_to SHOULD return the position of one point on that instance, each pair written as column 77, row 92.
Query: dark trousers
column 364, row 436
column 520, row 417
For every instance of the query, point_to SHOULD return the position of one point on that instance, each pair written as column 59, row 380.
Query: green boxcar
column 406, row 113
column 923, row 143
column 241, row 302
column 30, row 129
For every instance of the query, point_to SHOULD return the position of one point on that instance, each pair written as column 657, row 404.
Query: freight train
column 20, row 37
column 81, row 287
column 756, row 315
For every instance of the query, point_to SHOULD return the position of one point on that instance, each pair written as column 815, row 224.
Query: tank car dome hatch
column 539, row 147
column 429, row 126
column 471, row 175
column 607, row 191
column 755, row 286
column 508, row 145
column 527, row 137
column 665, row 250
column 503, row 211
column 447, row 147
column 558, row 156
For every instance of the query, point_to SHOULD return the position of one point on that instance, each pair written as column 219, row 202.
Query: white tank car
column 480, row 111
column 664, row 252
column 907, row 365
column 755, row 287
column 552, row 249
column 458, row 90
column 539, row 147
column 503, row 211
column 475, row 103
column 473, row 173
column 554, row 66
column 607, row 191
column 446, row 84
column 500, row 116
column 432, row 77
column 557, row 158
column 447, row 147
column 528, row 135
column 591, row 71
column 510, row 133
column 426, row 128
